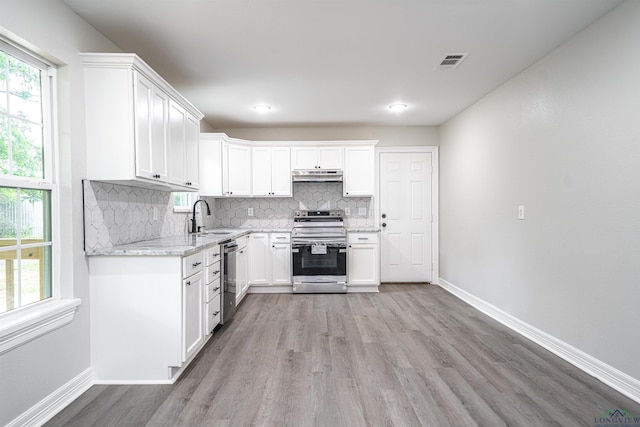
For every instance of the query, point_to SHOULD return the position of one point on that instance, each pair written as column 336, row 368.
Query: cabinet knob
column 189, row 283
column 384, row 224
column 384, row 215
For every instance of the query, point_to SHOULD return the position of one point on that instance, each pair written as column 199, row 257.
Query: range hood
column 317, row 175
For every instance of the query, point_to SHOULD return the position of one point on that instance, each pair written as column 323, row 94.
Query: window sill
column 33, row 322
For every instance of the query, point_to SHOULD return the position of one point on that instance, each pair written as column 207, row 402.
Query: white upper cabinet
column 184, row 132
column 133, row 126
column 210, row 164
column 358, row 172
column 316, row 157
column 271, row 171
column 236, row 170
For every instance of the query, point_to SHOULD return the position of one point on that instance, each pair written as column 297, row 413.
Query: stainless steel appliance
column 229, row 280
column 319, row 252
column 317, row 175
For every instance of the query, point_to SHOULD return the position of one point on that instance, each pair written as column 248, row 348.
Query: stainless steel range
column 319, row 252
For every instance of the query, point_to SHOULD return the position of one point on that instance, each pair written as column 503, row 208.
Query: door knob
column 384, row 215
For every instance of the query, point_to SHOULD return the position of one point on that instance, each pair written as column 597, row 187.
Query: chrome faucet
column 194, row 227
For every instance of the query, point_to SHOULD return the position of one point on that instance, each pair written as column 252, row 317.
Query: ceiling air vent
column 451, row 61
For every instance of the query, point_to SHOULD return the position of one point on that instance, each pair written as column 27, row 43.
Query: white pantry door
column 405, row 217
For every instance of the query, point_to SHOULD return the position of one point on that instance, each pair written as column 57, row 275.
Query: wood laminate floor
column 411, row 355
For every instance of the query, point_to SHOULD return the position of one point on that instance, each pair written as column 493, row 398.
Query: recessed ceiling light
column 397, row 107
column 262, row 108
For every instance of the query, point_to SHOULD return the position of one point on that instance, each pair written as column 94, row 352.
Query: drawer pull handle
column 196, row 264
column 216, row 272
column 215, row 289
column 189, row 283
column 216, row 313
column 363, row 238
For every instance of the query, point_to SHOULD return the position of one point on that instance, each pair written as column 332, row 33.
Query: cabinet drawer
column 192, row 264
column 214, row 314
column 213, row 272
column 280, row 238
column 242, row 242
column 363, row 238
column 212, row 255
column 212, row 289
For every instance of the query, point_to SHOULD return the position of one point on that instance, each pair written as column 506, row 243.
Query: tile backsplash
column 276, row 212
column 118, row 214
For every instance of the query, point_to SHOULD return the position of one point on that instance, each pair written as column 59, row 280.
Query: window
column 182, row 202
column 26, row 179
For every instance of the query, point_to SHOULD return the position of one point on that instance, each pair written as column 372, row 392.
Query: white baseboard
column 609, row 375
column 48, row 407
column 352, row 289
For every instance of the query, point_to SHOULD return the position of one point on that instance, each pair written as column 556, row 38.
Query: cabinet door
column 259, row 272
column 143, row 122
column 358, row 171
column 192, row 315
column 192, row 143
column 159, row 135
column 280, row 263
column 177, row 118
column 238, row 171
column 210, row 167
column 363, row 265
column 330, row 157
column 281, row 172
column 261, row 171
column 304, row 157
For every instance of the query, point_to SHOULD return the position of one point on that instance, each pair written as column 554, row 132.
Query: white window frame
column 190, row 199
column 24, row 324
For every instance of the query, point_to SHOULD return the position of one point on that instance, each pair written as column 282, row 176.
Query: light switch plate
column 250, row 211
column 521, row 212
column 347, row 211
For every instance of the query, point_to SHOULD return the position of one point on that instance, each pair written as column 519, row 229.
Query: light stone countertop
column 188, row 244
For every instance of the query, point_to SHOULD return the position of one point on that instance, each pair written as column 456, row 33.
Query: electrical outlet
column 521, row 212
column 155, row 213
column 362, row 211
column 347, row 211
column 250, row 211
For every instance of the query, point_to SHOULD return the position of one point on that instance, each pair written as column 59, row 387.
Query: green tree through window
column 25, row 189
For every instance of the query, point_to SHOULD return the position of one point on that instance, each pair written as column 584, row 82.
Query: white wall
column 33, row 371
column 563, row 139
column 387, row 135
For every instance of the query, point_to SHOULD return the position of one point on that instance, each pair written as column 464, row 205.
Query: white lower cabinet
column 148, row 316
column 192, row 315
column 270, row 260
column 363, row 265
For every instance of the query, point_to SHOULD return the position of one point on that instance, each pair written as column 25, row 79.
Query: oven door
column 319, row 262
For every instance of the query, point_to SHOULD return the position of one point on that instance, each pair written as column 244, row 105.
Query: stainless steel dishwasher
column 229, row 251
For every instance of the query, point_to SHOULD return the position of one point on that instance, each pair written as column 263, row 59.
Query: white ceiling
column 336, row 62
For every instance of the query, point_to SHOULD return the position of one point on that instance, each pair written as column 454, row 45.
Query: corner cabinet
column 140, row 130
column 270, row 262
